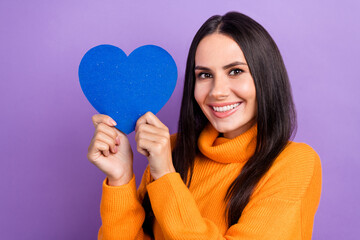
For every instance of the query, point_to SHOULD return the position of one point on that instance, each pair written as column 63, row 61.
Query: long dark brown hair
column 276, row 115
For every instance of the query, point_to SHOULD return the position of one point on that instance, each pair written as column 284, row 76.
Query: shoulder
column 299, row 159
column 293, row 172
column 300, row 150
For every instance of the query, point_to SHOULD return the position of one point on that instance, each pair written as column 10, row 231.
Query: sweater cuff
column 164, row 183
column 119, row 196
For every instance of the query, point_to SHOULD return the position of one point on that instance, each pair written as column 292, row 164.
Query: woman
column 231, row 171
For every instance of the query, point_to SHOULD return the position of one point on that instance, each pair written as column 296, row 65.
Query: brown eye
column 204, row 75
column 236, row 71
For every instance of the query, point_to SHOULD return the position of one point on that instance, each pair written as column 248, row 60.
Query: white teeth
column 225, row 108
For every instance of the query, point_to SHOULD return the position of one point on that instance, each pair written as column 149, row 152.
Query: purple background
column 49, row 190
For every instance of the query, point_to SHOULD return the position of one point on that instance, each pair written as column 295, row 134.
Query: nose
column 220, row 89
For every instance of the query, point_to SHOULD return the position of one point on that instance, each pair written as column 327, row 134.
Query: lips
column 223, row 110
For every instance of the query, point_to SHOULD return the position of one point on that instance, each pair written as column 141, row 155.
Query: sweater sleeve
column 121, row 211
column 267, row 216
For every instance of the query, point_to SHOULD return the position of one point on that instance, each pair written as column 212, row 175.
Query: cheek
column 247, row 90
column 199, row 93
column 250, row 91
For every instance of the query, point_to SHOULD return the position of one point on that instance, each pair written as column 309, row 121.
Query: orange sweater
column 282, row 206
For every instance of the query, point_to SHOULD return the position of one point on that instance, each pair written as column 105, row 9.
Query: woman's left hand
column 153, row 141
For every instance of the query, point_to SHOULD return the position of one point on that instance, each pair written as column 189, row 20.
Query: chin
column 231, row 128
column 223, row 128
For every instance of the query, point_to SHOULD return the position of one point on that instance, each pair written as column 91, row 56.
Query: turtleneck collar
column 224, row 150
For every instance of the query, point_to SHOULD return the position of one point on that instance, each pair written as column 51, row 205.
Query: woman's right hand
column 110, row 151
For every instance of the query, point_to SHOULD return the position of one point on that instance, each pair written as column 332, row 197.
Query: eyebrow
column 224, row 67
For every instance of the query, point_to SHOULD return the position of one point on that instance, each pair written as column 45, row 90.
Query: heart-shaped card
column 126, row 87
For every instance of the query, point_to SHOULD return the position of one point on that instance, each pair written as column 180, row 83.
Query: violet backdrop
column 49, row 190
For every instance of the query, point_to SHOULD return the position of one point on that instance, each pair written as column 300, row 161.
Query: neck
column 239, row 131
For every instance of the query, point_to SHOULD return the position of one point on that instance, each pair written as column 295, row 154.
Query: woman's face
column 224, row 87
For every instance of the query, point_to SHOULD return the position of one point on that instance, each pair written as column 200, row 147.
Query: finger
column 153, row 137
column 110, row 131
column 102, row 118
column 143, row 151
column 151, row 119
column 100, row 146
column 149, row 146
column 100, row 136
column 106, row 153
column 152, row 129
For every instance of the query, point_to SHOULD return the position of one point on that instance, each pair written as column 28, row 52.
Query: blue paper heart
column 124, row 87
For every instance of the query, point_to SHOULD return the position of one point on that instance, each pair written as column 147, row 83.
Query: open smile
column 224, row 109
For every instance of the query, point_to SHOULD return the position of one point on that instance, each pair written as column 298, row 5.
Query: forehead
column 218, row 50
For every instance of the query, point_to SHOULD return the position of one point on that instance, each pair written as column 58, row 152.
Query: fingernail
column 117, row 140
column 113, row 122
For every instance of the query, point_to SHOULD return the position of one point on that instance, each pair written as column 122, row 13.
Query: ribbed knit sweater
column 282, row 206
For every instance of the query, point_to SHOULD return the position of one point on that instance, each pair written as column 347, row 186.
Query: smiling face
column 224, row 87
